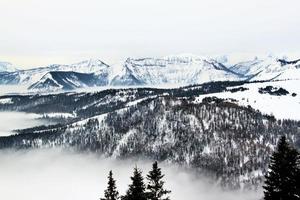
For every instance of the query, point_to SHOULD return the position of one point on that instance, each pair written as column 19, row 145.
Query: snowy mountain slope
column 177, row 70
column 62, row 80
column 281, row 106
column 268, row 68
column 9, row 78
column 31, row 76
column 86, row 104
column 7, row 67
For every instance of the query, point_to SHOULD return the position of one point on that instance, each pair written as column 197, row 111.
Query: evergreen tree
column 111, row 192
column 155, row 185
column 298, row 178
column 137, row 188
column 281, row 180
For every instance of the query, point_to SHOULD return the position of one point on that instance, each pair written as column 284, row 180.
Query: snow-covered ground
column 6, row 101
column 59, row 115
column 282, row 107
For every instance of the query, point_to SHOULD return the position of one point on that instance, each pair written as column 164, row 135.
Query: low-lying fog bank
column 10, row 121
column 60, row 175
column 13, row 89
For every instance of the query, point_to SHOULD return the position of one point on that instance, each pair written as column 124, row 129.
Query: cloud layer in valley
column 11, row 121
column 60, row 175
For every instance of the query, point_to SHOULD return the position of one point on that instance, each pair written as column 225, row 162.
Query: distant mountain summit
column 177, row 70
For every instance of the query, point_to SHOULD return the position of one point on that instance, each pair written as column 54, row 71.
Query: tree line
column 138, row 189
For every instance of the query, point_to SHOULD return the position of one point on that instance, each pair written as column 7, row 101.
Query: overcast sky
column 38, row 32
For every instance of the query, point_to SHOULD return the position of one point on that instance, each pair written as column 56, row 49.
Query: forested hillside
column 216, row 136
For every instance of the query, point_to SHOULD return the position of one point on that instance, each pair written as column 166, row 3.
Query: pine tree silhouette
column 137, row 188
column 281, row 180
column 111, row 192
column 155, row 185
column 298, row 178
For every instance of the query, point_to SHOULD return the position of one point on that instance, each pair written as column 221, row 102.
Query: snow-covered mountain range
column 178, row 70
column 43, row 78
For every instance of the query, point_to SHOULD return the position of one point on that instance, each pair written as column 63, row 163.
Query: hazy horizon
column 37, row 33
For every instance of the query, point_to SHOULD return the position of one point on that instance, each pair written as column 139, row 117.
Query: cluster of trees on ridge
column 138, row 190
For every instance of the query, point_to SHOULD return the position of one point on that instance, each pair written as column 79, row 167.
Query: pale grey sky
column 39, row 32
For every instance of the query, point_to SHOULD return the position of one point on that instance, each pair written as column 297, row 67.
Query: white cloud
column 11, row 121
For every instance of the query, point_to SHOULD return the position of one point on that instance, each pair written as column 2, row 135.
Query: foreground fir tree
column 111, row 192
column 281, row 180
column 155, row 185
column 298, row 177
column 137, row 189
